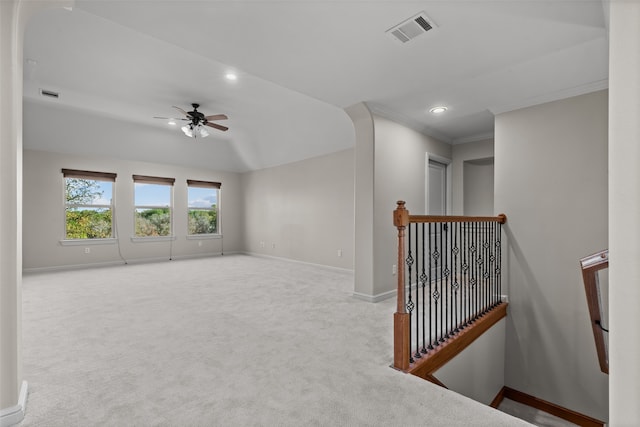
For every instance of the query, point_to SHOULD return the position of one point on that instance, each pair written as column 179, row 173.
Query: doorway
column 436, row 188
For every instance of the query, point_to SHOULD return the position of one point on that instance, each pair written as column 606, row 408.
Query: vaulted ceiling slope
column 299, row 63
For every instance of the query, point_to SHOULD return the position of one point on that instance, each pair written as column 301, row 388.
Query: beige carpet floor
column 224, row 341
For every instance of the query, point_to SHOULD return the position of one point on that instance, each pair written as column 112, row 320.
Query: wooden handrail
column 590, row 266
column 486, row 287
column 417, row 219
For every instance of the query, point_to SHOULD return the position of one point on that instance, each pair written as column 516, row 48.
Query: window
column 203, row 204
column 152, row 205
column 88, row 204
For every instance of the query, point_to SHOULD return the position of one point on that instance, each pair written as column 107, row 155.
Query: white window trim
column 203, row 236
column 149, row 239
column 89, row 242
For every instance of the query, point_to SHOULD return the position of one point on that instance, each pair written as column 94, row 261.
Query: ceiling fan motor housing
column 196, row 116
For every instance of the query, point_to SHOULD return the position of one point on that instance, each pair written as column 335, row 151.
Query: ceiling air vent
column 49, row 93
column 411, row 28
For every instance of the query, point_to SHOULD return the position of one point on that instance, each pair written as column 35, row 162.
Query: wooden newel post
column 401, row 319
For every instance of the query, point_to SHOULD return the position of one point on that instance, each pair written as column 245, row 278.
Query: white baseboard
column 120, row 262
column 55, row 268
column 375, row 298
column 330, row 267
column 15, row 414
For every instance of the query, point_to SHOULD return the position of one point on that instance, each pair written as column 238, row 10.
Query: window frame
column 153, row 180
column 93, row 176
column 205, row 184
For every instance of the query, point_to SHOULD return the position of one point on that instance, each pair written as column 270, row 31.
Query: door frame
column 448, row 187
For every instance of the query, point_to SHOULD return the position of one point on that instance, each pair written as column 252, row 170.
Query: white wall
column 302, row 211
column 551, row 182
column 478, row 371
column 462, row 153
column 43, row 212
column 478, row 187
column 624, row 212
column 399, row 174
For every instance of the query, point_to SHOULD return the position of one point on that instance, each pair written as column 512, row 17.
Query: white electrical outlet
column 394, row 269
column 199, row 242
column 87, row 250
column 339, row 252
column 262, row 243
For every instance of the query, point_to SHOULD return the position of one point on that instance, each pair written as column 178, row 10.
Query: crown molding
column 473, row 138
column 553, row 96
column 408, row 122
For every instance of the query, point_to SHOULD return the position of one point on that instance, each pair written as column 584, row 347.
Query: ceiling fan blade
column 217, row 117
column 169, row 118
column 182, row 111
column 215, row 126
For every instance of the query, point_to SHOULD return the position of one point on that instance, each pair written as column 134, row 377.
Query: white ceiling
column 299, row 64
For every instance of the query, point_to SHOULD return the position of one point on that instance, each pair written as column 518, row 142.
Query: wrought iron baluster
column 423, row 280
column 410, row 304
column 477, row 269
column 499, row 260
column 481, row 268
column 456, row 279
column 417, row 355
column 447, row 256
column 430, row 290
column 488, row 263
column 436, row 293
column 494, row 263
column 485, row 290
column 470, row 272
column 441, row 274
column 465, row 272
column 490, row 296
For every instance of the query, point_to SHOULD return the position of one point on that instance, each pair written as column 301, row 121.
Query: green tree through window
column 153, row 197
column 88, row 204
column 203, row 207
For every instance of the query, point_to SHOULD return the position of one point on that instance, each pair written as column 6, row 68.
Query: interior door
column 437, row 188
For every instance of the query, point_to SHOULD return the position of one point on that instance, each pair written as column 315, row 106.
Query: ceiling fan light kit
column 198, row 121
column 194, row 131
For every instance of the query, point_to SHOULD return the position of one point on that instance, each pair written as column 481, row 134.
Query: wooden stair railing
column 449, row 286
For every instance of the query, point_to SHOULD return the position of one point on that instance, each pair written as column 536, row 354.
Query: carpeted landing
column 225, row 341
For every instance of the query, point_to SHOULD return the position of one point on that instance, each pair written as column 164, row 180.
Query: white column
column 624, row 213
column 14, row 15
column 363, row 208
column 10, row 204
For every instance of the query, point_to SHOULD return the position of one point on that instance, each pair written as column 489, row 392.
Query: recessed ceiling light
column 172, row 123
column 438, row 110
column 231, row 76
